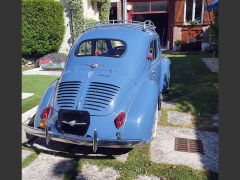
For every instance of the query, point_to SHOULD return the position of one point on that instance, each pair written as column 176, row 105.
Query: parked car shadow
column 74, row 151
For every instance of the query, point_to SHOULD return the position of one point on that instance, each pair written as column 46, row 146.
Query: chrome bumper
column 85, row 141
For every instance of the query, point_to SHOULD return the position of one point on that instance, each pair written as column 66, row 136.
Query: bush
column 42, row 26
column 77, row 16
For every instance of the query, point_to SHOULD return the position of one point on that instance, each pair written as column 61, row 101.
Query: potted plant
column 178, row 45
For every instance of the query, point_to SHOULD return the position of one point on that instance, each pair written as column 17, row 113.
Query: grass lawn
column 139, row 163
column 194, row 89
column 25, row 68
column 36, row 84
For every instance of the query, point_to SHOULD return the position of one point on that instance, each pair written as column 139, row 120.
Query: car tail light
column 45, row 114
column 119, row 120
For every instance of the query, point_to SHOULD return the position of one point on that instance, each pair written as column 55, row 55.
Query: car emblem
column 93, row 66
column 73, row 123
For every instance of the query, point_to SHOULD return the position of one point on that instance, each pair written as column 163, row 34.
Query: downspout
column 124, row 8
column 71, row 26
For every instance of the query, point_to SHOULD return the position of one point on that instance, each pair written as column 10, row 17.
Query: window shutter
column 179, row 10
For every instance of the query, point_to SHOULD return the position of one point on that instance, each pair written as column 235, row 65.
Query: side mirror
column 149, row 56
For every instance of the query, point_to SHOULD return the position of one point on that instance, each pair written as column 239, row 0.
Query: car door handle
column 153, row 72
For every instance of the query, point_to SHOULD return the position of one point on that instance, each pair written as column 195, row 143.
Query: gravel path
column 93, row 172
column 47, row 167
column 25, row 154
column 179, row 118
column 39, row 71
column 212, row 64
column 26, row 95
column 162, row 148
column 167, row 104
column 145, row 177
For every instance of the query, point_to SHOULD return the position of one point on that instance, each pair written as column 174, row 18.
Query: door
column 155, row 64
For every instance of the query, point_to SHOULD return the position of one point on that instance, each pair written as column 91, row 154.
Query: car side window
column 153, row 49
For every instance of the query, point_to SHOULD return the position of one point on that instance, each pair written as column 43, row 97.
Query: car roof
column 137, row 42
column 115, row 32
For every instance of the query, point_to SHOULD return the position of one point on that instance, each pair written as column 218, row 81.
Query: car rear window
column 101, row 47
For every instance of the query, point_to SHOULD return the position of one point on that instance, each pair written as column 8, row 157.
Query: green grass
column 25, row 68
column 194, row 88
column 29, row 159
column 139, row 163
column 36, row 84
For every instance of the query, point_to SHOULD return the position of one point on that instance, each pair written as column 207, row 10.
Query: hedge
column 77, row 16
column 42, row 26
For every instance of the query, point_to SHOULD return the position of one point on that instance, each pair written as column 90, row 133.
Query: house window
column 149, row 6
column 141, row 7
column 193, row 11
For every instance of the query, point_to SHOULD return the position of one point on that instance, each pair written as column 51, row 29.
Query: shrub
column 104, row 9
column 42, row 26
column 76, row 7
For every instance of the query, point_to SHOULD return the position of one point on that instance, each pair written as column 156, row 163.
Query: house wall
column 177, row 30
column 189, row 32
column 119, row 10
column 65, row 46
column 89, row 12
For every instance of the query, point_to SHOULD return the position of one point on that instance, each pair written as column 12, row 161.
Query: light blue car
column 109, row 93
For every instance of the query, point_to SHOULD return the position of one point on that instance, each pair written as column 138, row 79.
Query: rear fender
column 140, row 117
column 165, row 70
column 45, row 101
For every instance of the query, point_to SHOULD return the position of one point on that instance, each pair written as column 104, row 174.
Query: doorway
column 161, row 22
column 113, row 11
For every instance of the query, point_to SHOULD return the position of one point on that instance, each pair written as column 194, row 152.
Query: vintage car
column 109, row 92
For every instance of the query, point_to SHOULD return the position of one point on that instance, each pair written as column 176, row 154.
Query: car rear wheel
column 155, row 122
column 166, row 89
column 159, row 102
column 31, row 124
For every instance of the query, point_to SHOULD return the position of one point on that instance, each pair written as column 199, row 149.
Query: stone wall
column 177, row 35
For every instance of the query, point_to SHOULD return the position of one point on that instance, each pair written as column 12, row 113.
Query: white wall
column 88, row 12
column 65, row 46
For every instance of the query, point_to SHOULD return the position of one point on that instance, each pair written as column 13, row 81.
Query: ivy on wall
column 104, row 9
column 76, row 7
column 78, row 20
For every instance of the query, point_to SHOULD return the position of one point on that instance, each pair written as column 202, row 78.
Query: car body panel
column 106, row 86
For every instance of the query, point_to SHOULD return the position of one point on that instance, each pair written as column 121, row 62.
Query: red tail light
column 46, row 112
column 119, row 120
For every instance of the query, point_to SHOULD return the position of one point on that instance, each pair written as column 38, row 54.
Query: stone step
column 46, row 167
column 163, row 148
column 25, row 154
column 93, row 172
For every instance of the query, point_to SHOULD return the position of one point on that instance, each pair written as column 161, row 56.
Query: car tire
column 159, row 102
column 155, row 122
column 166, row 89
column 31, row 124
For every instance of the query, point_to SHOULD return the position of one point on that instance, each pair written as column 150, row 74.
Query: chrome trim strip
column 85, row 141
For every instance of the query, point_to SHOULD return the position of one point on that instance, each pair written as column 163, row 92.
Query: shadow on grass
column 194, row 88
